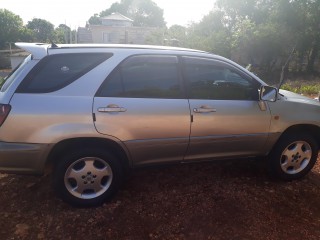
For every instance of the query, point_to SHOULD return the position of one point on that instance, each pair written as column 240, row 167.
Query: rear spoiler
column 38, row 50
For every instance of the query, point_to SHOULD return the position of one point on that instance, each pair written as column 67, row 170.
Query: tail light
column 4, row 112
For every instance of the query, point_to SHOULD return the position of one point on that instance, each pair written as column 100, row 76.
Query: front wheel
column 293, row 156
column 88, row 177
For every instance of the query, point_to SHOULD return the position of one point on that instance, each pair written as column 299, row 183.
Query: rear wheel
column 293, row 156
column 87, row 177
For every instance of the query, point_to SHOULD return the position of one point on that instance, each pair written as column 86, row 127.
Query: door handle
column 112, row 108
column 204, row 109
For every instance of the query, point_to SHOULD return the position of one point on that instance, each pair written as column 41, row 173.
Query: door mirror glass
column 268, row 93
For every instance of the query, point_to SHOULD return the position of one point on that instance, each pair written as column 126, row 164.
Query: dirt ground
column 220, row 200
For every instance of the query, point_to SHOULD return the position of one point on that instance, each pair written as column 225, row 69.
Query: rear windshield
column 6, row 82
column 59, row 70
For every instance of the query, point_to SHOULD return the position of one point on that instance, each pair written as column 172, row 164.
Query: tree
column 11, row 26
column 62, row 34
column 144, row 13
column 210, row 34
column 43, row 30
column 313, row 31
column 177, row 35
column 95, row 19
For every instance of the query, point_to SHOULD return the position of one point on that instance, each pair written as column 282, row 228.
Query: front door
column 227, row 119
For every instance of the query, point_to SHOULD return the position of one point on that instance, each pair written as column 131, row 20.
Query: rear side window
column 144, row 76
column 59, row 70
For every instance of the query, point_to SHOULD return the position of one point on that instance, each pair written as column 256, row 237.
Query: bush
column 1, row 81
column 303, row 87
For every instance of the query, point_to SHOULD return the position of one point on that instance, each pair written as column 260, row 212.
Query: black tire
column 79, row 175
column 293, row 156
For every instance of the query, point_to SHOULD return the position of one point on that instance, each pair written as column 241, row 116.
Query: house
column 115, row 28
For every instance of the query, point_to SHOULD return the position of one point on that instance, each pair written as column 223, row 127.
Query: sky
column 75, row 13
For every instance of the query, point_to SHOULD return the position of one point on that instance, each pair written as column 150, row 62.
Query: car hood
column 294, row 97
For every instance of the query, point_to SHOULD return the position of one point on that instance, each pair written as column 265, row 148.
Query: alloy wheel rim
column 88, row 178
column 296, row 157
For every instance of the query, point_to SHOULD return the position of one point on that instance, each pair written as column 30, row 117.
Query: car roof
column 39, row 50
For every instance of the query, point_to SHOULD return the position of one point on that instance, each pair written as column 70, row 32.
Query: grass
column 1, row 81
column 303, row 87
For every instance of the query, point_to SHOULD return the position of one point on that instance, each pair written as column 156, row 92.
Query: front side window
column 211, row 79
column 144, row 76
column 59, row 70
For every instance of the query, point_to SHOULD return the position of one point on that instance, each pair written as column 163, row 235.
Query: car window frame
column 236, row 69
column 23, row 87
column 117, row 68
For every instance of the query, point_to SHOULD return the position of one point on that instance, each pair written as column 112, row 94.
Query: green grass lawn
column 309, row 88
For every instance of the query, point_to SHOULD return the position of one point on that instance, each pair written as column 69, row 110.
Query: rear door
column 224, row 102
column 142, row 104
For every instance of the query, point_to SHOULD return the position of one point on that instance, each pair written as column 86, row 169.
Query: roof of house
column 117, row 16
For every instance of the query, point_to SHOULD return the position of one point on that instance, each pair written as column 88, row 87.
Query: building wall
column 120, row 35
column 84, row 35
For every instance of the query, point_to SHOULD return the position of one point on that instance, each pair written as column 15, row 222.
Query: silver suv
column 95, row 111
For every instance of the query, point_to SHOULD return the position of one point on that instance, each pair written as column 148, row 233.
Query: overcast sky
column 75, row 13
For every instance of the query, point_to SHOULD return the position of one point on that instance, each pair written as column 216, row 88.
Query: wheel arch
column 74, row 143
column 313, row 130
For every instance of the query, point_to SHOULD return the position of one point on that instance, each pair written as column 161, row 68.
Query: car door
column 227, row 119
column 142, row 104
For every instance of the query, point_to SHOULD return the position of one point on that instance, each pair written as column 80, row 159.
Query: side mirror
column 268, row 93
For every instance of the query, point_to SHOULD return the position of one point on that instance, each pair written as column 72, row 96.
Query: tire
column 88, row 177
column 293, row 156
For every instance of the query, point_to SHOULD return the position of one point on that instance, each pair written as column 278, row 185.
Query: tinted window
column 144, row 77
column 210, row 79
column 57, row 71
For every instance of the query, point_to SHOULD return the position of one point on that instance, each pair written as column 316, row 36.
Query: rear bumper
column 23, row 158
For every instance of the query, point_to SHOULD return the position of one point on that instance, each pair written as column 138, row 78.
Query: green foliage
column 1, row 81
column 43, row 30
column 144, row 13
column 95, row 19
column 38, row 30
column 302, row 87
column 290, row 88
column 261, row 33
column 62, row 34
column 11, row 26
column 211, row 35
column 156, row 37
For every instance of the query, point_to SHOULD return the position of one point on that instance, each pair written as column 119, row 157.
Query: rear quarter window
column 59, row 70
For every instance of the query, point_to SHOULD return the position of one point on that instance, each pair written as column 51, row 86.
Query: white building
column 115, row 28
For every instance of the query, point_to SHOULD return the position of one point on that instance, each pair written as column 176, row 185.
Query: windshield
column 6, row 82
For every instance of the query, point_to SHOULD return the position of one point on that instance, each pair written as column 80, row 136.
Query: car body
column 93, row 111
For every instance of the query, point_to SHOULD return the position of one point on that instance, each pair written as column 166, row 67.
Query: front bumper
column 23, row 158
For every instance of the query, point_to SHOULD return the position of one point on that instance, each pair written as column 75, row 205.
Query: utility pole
column 10, row 48
column 70, row 35
column 76, row 36
column 65, row 32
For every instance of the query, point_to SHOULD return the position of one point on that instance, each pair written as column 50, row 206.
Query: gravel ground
column 221, row 200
